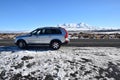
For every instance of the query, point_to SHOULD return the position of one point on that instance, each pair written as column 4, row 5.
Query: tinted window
column 39, row 31
column 56, row 31
column 51, row 31
column 46, row 31
column 34, row 32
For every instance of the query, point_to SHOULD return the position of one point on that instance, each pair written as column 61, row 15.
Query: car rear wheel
column 55, row 45
column 21, row 44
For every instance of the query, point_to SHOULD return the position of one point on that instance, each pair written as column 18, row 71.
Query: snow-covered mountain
column 77, row 27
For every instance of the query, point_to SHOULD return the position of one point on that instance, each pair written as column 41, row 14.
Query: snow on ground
column 67, row 63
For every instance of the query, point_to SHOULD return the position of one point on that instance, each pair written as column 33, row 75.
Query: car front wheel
column 22, row 44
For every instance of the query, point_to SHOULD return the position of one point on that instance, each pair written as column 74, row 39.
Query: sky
column 16, row 15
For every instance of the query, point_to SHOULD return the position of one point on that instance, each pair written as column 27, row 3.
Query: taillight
column 66, row 33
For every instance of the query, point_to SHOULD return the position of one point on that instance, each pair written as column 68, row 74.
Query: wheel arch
column 55, row 40
column 20, row 40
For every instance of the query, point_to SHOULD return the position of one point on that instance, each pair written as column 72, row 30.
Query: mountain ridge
column 71, row 27
column 83, row 27
column 78, row 26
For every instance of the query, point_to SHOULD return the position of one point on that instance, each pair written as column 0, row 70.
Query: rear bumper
column 66, row 42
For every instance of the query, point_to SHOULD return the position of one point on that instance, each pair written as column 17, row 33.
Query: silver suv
column 53, row 36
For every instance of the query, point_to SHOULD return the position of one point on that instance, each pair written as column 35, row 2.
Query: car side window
column 43, row 31
column 34, row 32
column 39, row 32
column 50, row 31
column 56, row 31
column 46, row 31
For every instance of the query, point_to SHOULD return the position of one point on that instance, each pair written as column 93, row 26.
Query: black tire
column 55, row 45
column 22, row 44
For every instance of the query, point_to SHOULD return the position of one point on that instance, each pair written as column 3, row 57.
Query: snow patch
column 78, row 63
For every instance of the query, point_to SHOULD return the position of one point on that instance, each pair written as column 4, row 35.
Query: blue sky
column 16, row 15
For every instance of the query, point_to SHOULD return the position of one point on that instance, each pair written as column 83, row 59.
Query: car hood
column 23, row 36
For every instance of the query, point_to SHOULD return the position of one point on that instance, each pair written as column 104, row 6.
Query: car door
column 34, row 38
column 57, row 34
column 45, row 36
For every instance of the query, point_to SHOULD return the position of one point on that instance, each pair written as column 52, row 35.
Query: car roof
column 49, row 28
